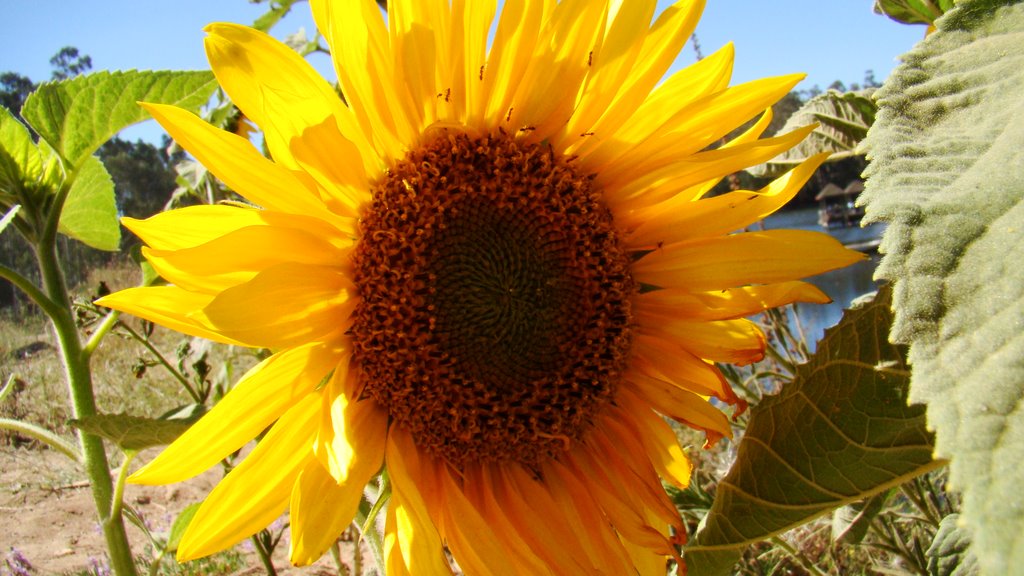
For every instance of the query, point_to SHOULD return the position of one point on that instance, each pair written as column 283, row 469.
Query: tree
column 14, row 88
column 67, row 63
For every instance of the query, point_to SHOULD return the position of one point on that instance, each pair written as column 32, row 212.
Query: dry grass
column 28, row 352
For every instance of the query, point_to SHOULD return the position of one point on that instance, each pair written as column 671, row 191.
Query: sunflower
column 490, row 270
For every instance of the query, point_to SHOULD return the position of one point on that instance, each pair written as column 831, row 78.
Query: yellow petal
column 697, row 126
column 238, row 256
column 705, row 77
column 678, row 219
column 610, row 63
column 680, row 404
column 545, row 98
column 729, row 303
column 734, row 341
column 357, row 35
column 415, row 544
column 477, row 547
column 192, row 225
column 236, row 162
column 739, row 259
column 660, row 47
column 168, row 306
column 256, row 492
column 550, row 537
column 282, row 306
column 321, row 509
column 659, row 441
column 264, row 393
column 578, row 506
column 518, row 29
column 663, row 358
column 279, row 90
column 467, row 83
column 350, row 443
column 657, row 205
column 333, row 161
column 415, row 51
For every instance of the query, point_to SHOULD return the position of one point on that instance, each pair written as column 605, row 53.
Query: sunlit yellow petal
column 238, row 256
column 730, row 303
column 238, row 164
column 659, row 441
column 278, row 90
column 260, row 397
column 257, row 491
column 415, row 542
column 168, row 306
column 716, row 263
column 680, row 404
column 350, row 443
column 319, row 305
column 321, row 509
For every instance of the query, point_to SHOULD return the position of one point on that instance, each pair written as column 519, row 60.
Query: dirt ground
column 47, row 515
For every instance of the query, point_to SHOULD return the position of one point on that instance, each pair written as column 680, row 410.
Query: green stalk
column 79, row 378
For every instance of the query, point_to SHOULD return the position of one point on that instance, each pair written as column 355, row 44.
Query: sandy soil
column 47, row 515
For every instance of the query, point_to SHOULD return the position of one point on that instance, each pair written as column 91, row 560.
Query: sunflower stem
column 264, row 554
column 79, row 378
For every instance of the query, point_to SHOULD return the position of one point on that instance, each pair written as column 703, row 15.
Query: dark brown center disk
column 494, row 319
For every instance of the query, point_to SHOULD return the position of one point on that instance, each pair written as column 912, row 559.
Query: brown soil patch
column 47, row 515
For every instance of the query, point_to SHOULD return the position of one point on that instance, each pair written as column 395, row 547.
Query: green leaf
column 182, row 521
column 851, row 522
column 843, row 121
column 947, row 151
column 133, row 432
column 76, row 116
column 949, row 554
column 90, row 211
column 278, row 9
column 840, row 432
column 9, row 216
column 25, row 170
column 913, row 11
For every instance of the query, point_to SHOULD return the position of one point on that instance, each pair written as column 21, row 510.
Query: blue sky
column 828, row 39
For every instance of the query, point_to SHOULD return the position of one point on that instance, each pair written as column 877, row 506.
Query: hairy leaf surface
column 947, row 174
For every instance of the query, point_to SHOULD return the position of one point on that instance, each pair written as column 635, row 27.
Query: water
column 843, row 286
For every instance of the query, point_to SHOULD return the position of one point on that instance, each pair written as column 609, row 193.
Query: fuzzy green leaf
column 843, row 120
column 913, row 11
column 133, row 432
column 90, row 211
column 949, row 554
column 76, row 116
column 946, row 173
column 840, row 432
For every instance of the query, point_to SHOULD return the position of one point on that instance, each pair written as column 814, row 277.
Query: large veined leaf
column 840, row 432
column 136, row 432
column 90, row 211
column 947, row 173
column 843, row 120
column 913, row 11
column 76, row 116
column 24, row 168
